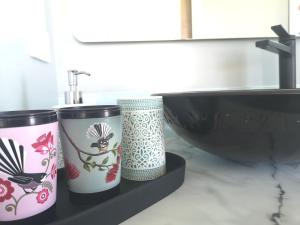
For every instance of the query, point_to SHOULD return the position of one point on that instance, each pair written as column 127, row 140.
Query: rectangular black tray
column 130, row 198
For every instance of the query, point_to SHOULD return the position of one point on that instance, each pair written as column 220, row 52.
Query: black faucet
column 286, row 49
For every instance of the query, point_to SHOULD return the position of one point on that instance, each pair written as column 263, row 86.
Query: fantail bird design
column 101, row 131
column 12, row 157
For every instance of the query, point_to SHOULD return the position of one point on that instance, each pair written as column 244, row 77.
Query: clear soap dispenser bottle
column 73, row 96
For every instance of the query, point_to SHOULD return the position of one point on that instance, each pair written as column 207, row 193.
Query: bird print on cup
column 13, row 167
column 104, row 159
column 102, row 132
column 12, row 164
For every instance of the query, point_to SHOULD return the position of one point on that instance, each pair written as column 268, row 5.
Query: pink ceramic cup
column 28, row 169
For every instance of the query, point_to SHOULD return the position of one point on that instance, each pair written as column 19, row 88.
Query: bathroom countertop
column 223, row 192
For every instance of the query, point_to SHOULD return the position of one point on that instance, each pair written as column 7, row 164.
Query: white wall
column 117, row 68
column 25, row 82
column 149, row 67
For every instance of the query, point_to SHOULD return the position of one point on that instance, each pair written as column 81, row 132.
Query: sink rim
column 295, row 91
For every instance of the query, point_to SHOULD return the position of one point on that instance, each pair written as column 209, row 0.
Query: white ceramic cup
column 143, row 156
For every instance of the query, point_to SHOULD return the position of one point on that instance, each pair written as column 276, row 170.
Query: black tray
column 113, row 207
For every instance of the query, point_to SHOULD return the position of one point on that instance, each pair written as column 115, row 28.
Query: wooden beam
column 186, row 19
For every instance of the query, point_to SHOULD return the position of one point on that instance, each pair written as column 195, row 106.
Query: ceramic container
column 91, row 144
column 143, row 138
column 28, row 169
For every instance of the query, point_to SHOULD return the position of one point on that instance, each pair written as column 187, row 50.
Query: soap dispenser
column 73, row 96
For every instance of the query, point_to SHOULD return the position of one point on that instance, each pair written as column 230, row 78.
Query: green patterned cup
column 143, row 156
column 91, row 140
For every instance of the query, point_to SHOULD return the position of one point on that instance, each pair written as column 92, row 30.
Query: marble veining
column 275, row 218
column 223, row 192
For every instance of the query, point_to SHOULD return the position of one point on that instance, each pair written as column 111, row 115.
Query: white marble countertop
column 222, row 192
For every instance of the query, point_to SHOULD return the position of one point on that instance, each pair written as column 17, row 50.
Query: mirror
column 152, row 20
column 237, row 18
column 126, row 20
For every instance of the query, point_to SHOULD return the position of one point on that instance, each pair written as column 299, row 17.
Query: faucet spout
column 286, row 49
column 273, row 46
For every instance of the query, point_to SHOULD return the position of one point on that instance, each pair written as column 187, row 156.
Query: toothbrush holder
column 91, row 142
column 143, row 156
column 28, row 164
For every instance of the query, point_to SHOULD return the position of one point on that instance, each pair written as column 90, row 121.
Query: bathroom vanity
column 223, row 192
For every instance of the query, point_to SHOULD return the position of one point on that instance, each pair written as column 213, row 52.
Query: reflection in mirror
column 152, row 20
column 237, row 18
column 129, row 20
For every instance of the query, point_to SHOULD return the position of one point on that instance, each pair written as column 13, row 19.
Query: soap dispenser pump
column 73, row 96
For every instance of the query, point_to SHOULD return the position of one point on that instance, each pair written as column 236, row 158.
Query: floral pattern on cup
column 101, row 133
column 112, row 173
column 6, row 190
column 42, row 196
column 44, row 144
column 13, row 156
column 53, row 171
column 71, row 170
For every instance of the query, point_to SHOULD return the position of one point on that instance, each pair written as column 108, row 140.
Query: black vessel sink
column 248, row 125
